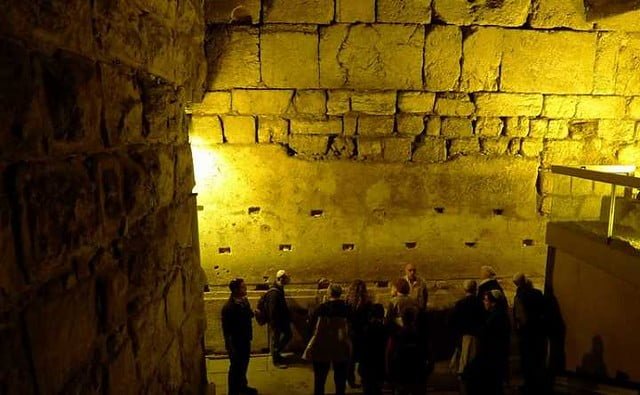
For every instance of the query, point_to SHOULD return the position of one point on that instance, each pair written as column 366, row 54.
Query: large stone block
column 494, row 146
column 298, row 11
column 540, row 61
column 604, row 107
column 289, row 56
column 162, row 110
column 549, row 14
column 549, row 128
column 464, row 147
column 107, row 172
column 456, row 127
column 502, row 13
column 627, row 78
column 185, row 179
column 617, row 130
column 454, row 104
column 559, row 106
column 517, row 127
column 532, row 147
column 434, row 125
column 151, row 338
column 122, row 106
column 583, row 129
column 410, row 124
column 404, row 11
column 416, row 102
column 236, row 11
column 376, row 103
column 431, row 150
column 261, row 101
column 305, row 126
column 213, row 102
column 309, row 145
column 369, row 148
column 371, row 56
column 607, row 56
column 576, row 152
column 355, row 11
column 233, row 58
column 633, row 108
column 375, row 125
column 338, row 102
column 343, row 147
column 508, row 104
column 397, row 149
column 310, row 102
column 206, row 130
column 239, row 129
column 443, row 49
column 482, row 57
column 489, row 127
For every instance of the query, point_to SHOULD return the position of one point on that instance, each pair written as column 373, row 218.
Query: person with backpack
column 407, row 357
column 273, row 310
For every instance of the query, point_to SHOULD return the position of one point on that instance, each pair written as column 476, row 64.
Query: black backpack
column 261, row 313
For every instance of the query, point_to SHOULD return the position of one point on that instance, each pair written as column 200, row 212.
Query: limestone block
column 289, row 56
column 310, row 102
column 508, row 104
column 434, row 125
column 549, row 14
column 397, row 149
column 239, row 129
column 404, row 11
column 338, row 102
column 468, row 146
column 375, row 125
column 462, row 12
column 410, row 124
column 549, row 128
column 355, row 10
column 382, row 56
column 369, row 148
column 376, row 103
column 456, row 127
column 633, row 107
column 532, row 147
column 162, row 110
column 233, row 58
column 517, row 127
column 261, row 101
column 343, row 147
column 298, row 11
column 443, row 49
column 575, row 152
column 421, row 102
column 559, row 106
column 583, row 129
column 627, row 78
column 494, row 146
column 624, row 21
column 604, row 107
column 153, row 337
column 539, row 127
column 607, row 56
column 228, row 11
column 540, row 61
column 122, row 106
column 272, row 130
column 332, row 125
column 489, row 127
column 213, row 102
column 350, row 124
column 617, row 130
column 431, row 150
column 482, row 57
column 206, row 129
column 629, row 154
column 454, row 104
column 514, row 147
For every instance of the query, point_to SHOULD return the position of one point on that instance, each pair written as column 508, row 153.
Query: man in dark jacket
column 279, row 318
column 529, row 313
column 237, row 331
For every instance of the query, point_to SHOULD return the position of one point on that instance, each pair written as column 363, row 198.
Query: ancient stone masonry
column 100, row 283
column 425, row 85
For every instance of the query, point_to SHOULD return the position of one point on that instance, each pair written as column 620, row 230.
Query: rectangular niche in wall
column 411, row 244
column 224, row 250
column 316, row 213
column 285, row 247
column 348, row 247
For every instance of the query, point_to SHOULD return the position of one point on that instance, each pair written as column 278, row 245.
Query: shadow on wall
column 593, row 362
column 604, row 8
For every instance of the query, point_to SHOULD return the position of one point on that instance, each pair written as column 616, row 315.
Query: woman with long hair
column 359, row 308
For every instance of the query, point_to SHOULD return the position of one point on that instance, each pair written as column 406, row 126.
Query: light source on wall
column 207, row 166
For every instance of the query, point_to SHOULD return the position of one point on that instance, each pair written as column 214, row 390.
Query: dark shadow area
column 592, row 364
column 604, row 8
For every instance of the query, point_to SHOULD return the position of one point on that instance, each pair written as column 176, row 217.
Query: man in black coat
column 236, row 327
column 279, row 318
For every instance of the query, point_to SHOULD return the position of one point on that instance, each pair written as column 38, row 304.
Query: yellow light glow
column 208, row 167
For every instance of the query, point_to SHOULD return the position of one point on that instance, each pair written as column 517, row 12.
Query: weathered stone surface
column 375, row 125
column 376, row 103
column 235, row 11
column 410, row 124
column 261, row 101
column 627, row 80
column 309, row 145
column 350, row 124
column 630, row 154
column 617, row 130
column 338, row 102
column 185, row 179
column 355, row 11
column 515, row 145
column 214, row 102
column 397, row 149
column 233, row 57
column 517, row 127
column 550, row 129
column 548, row 14
column 310, row 102
column 404, row 11
column 559, row 106
column 443, row 49
column 369, row 148
column 289, row 56
column 575, row 152
column 583, row 129
column 163, row 116
column 456, row 127
column 494, row 146
column 347, row 54
column 461, row 12
column 239, row 129
column 626, row 21
column 299, row 11
column 418, row 102
column 431, row 150
column 482, row 56
column 605, row 107
column 434, row 124
column 536, row 61
column 454, row 104
column 532, row 147
column 343, row 147
column 304, row 126
column 272, row 130
column 122, row 106
column 508, row 104
column 633, row 108
column 489, row 127
column 467, row 146
column 607, row 58
column 206, row 130
column 122, row 371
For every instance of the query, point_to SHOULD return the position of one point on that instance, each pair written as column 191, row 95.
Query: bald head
column 410, row 270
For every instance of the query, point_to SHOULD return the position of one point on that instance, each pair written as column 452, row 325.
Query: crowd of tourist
column 390, row 346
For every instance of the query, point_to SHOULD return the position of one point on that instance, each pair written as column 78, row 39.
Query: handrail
column 609, row 177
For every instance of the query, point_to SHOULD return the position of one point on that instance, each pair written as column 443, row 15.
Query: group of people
column 354, row 334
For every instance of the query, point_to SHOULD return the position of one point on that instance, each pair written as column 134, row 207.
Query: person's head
column 401, row 287
column 323, row 283
column 410, row 270
column 357, row 294
column 519, row 279
column 470, row 287
column 491, row 299
column 487, row 272
column 282, row 277
column 334, row 291
column 238, row 288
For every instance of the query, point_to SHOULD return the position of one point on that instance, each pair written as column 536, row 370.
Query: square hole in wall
column 224, row 250
column 200, row 208
column 410, row 244
column 528, row 242
column 498, row 211
column 439, row 210
column 253, row 210
column 471, row 244
column 348, row 247
column 285, row 247
column 316, row 213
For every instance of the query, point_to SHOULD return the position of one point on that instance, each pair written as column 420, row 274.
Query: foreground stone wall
column 464, row 101
column 100, row 284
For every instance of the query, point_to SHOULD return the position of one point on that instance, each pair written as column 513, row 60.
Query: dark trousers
column 280, row 337
column 533, row 356
column 321, row 371
column 239, row 363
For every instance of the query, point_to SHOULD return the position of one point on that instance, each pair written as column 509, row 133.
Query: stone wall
column 100, row 284
column 417, row 121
